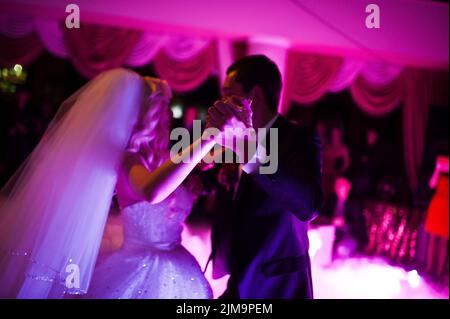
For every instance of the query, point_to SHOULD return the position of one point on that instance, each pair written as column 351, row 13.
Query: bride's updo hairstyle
column 150, row 137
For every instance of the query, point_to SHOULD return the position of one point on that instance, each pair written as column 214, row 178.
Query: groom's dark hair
column 259, row 70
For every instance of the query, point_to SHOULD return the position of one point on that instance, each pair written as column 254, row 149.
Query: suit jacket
column 263, row 239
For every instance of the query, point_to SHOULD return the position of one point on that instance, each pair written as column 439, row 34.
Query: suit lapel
column 243, row 182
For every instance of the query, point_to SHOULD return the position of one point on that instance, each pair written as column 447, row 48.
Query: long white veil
column 54, row 209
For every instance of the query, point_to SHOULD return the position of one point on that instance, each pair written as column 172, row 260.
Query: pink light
column 315, row 243
column 342, row 187
column 354, row 278
column 425, row 21
column 196, row 239
column 321, row 244
column 414, row 279
column 370, row 278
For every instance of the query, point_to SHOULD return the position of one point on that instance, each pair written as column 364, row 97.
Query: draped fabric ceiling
column 378, row 87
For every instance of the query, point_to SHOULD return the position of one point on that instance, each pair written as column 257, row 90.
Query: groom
column 261, row 240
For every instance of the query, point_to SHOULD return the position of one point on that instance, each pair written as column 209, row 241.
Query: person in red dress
column 436, row 222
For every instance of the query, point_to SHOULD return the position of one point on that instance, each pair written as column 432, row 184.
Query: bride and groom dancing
column 112, row 136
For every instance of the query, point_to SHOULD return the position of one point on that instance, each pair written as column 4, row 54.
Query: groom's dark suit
column 263, row 239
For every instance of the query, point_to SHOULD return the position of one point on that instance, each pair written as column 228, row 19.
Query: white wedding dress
column 54, row 209
column 151, row 263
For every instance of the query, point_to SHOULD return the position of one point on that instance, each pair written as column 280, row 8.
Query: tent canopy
column 411, row 32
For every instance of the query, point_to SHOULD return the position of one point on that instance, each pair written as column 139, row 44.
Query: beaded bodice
column 157, row 225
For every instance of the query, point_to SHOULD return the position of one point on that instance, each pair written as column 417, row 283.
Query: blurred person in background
column 437, row 219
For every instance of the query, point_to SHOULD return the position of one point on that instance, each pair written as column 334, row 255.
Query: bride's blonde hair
column 150, row 137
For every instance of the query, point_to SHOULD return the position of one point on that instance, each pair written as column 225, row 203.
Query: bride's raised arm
column 155, row 186
column 158, row 183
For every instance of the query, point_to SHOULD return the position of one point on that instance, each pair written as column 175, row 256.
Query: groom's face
column 233, row 88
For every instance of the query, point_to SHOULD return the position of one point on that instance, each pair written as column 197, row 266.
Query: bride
column 111, row 135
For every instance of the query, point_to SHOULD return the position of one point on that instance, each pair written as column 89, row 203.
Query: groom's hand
column 231, row 112
column 233, row 118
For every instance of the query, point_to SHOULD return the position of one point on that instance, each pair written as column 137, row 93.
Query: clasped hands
column 232, row 117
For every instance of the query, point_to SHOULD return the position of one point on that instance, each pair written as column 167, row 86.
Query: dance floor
column 352, row 278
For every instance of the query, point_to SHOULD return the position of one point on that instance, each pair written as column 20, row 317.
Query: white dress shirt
column 259, row 157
